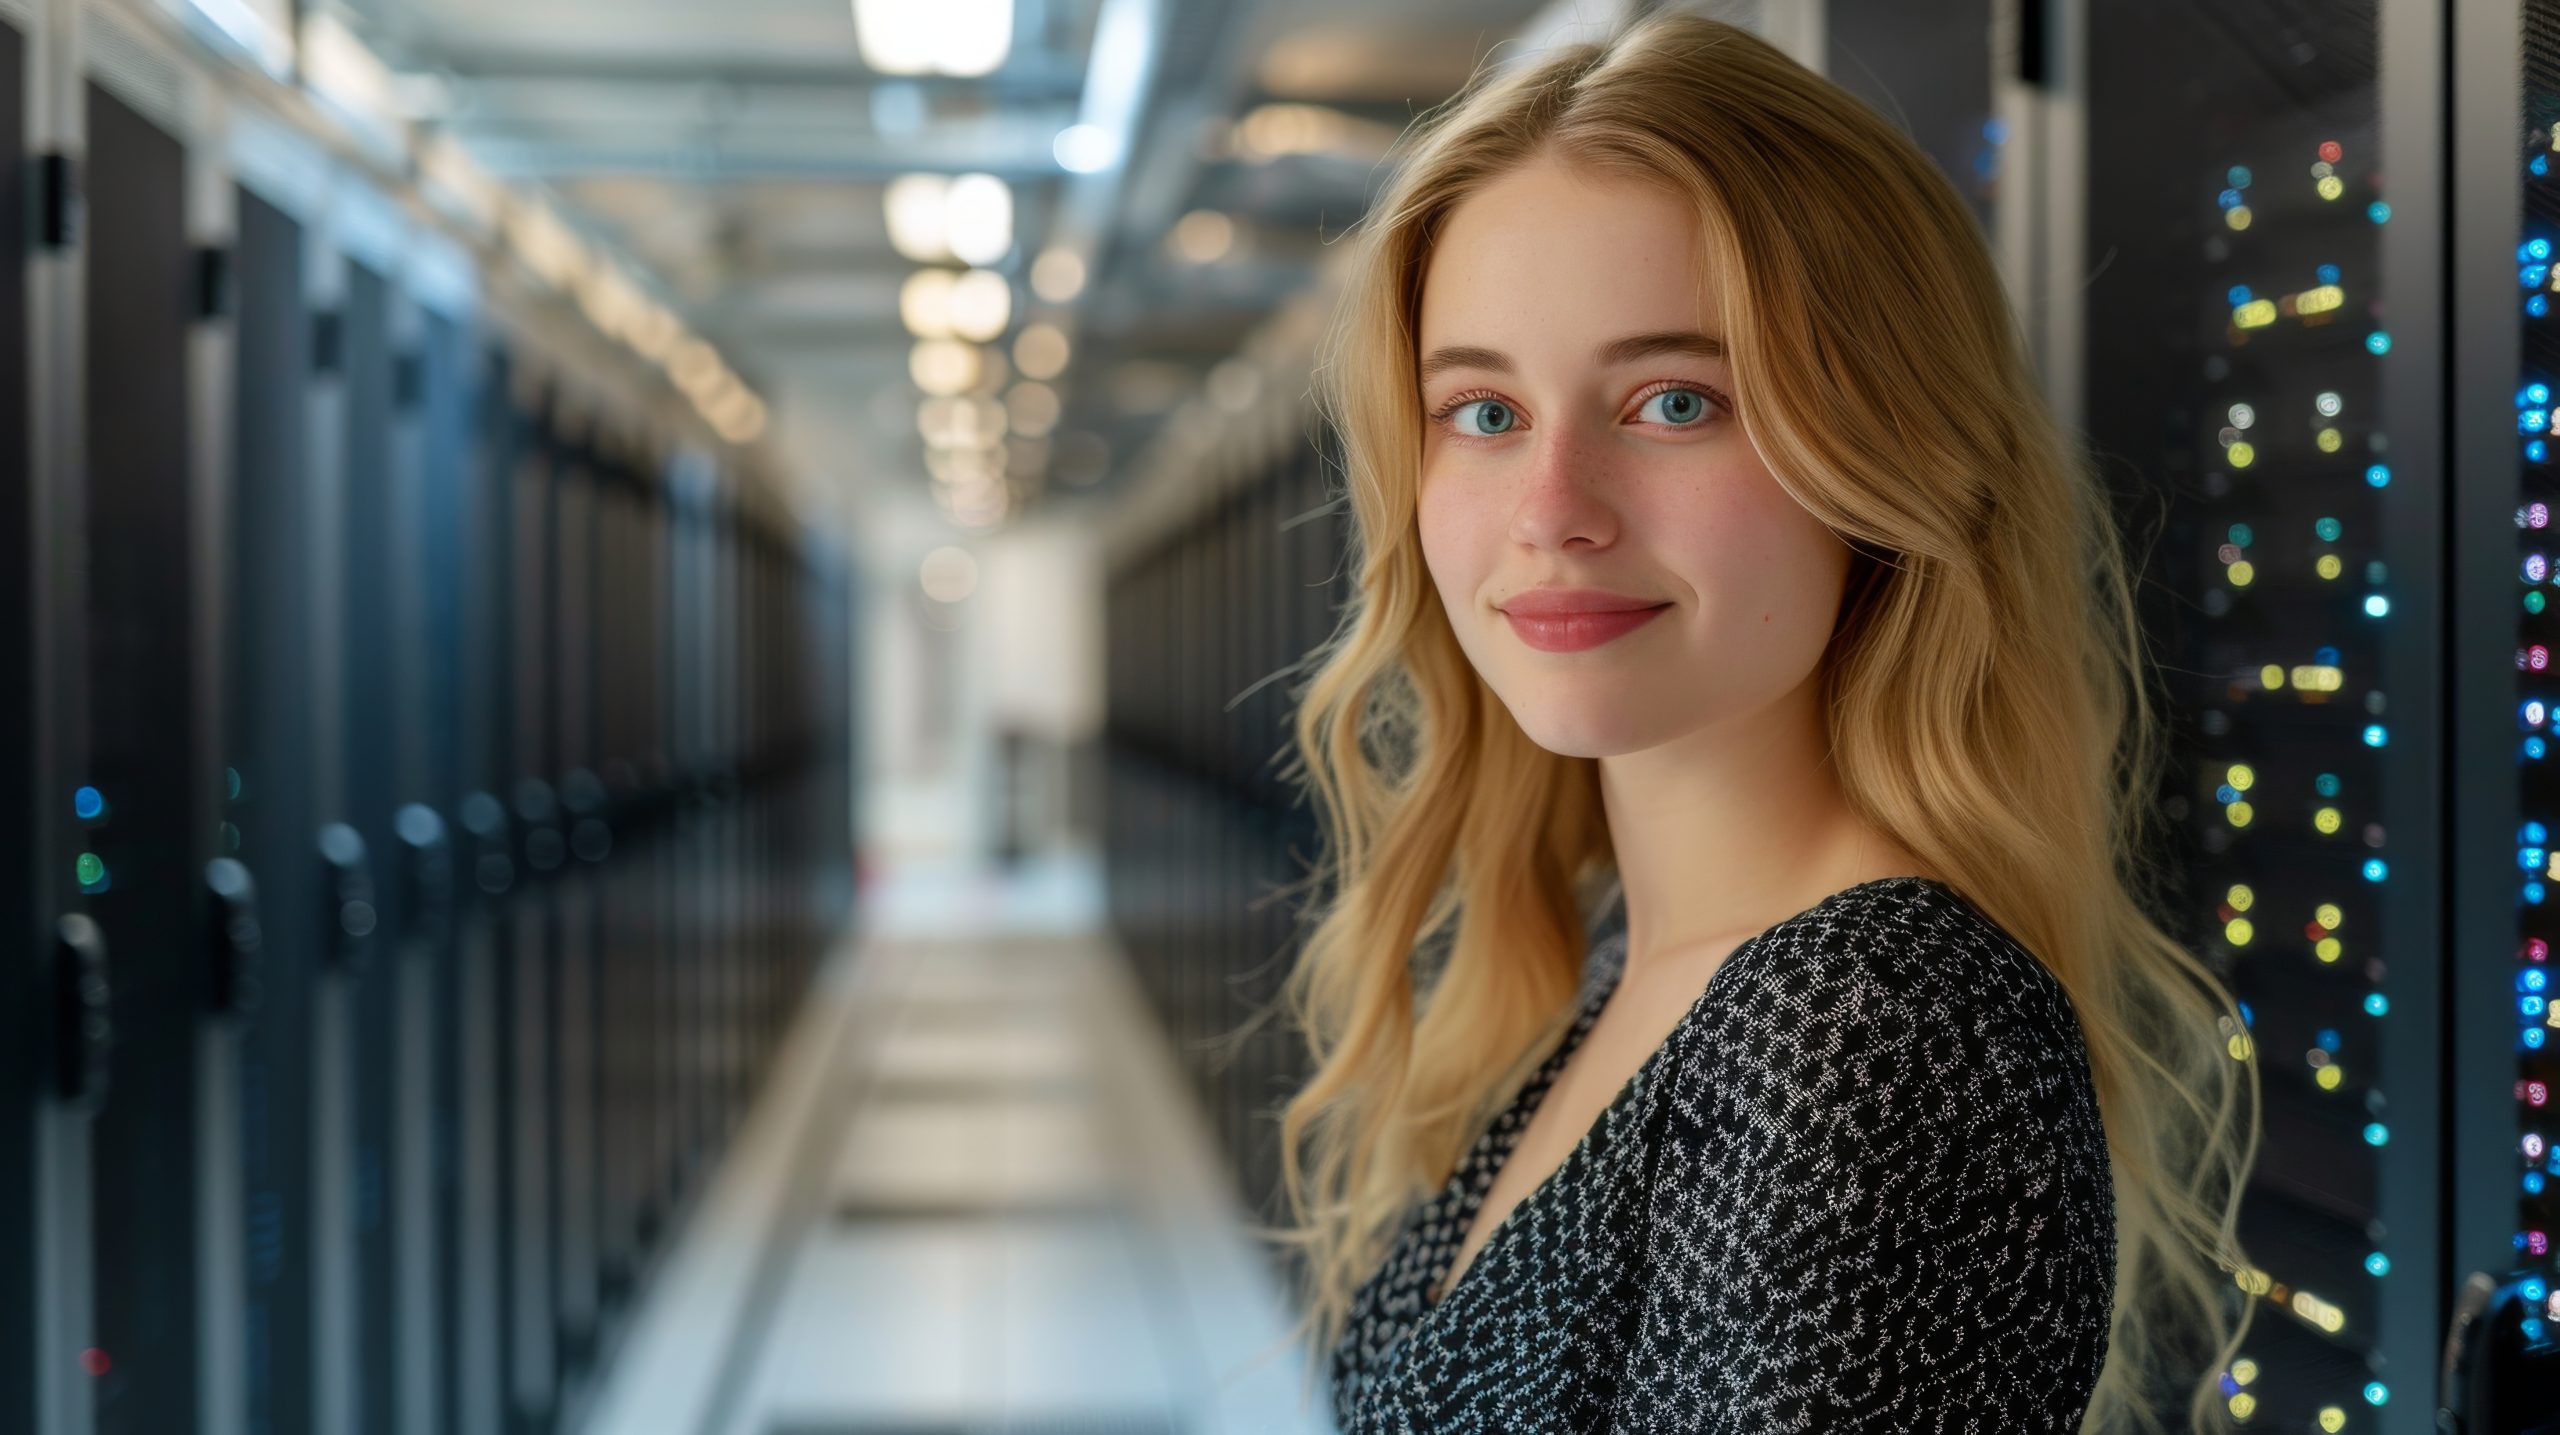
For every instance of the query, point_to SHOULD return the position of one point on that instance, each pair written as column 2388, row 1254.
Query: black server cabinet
column 2504, row 1067
column 448, row 405
column 2252, row 397
column 25, row 792
column 529, row 984
column 360, row 836
column 570, row 756
column 269, row 807
column 152, row 759
column 487, row 1245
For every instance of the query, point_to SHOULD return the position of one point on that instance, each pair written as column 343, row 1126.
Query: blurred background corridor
column 652, row 643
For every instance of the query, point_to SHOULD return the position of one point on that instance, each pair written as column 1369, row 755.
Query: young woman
column 1734, row 1008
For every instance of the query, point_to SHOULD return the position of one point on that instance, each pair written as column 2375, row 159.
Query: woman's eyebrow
column 1616, row 351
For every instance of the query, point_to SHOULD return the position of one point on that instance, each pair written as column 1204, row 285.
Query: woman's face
column 1586, row 440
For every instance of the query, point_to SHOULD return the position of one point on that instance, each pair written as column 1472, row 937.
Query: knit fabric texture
column 1862, row 1186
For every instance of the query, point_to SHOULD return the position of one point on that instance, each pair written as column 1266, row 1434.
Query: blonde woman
column 1734, row 1007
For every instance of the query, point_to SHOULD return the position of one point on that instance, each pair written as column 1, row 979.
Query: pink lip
column 1568, row 620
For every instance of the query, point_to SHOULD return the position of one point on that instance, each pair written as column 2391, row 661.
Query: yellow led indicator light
column 2332, row 1419
column 2240, row 897
column 2329, row 914
column 2319, row 1312
column 2239, row 813
column 2271, row 677
column 2327, row 821
column 2237, row 216
column 2319, row 677
column 2328, row 949
column 2238, row 931
column 2320, row 300
column 2331, row 187
column 2242, row 572
column 2329, row 566
column 2240, row 776
column 2330, row 440
column 2239, row 1046
column 2329, row 1077
column 2244, row 1370
column 2257, row 313
column 2241, row 454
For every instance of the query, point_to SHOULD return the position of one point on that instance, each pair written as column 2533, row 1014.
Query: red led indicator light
column 94, row 1361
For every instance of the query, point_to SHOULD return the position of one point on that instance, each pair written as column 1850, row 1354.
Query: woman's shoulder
column 1891, row 986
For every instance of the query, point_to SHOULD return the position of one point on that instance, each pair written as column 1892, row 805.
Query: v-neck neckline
column 1534, row 1093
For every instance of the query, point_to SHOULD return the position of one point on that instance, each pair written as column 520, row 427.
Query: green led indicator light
column 2533, row 601
column 93, row 869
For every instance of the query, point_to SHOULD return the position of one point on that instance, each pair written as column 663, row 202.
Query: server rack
column 268, row 691
column 157, row 1184
column 21, row 786
column 259, row 384
column 1207, row 619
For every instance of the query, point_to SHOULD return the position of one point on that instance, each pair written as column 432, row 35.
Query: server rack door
column 441, row 503
column 270, row 698
column 152, row 845
column 2240, row 347
column 483, row 721
column 2503, row 1227
column 367, row 745
column 416, row 867
column 531, row 983
column 572, row 745
column 24, row 792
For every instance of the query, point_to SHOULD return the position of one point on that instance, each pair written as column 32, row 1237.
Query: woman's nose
column 1563, row 492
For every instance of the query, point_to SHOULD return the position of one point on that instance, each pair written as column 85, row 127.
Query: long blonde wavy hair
column 1986, row 687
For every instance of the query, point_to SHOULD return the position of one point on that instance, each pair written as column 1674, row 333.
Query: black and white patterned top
column 1862, row 1187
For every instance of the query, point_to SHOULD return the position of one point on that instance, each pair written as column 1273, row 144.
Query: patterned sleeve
column 1881, row 1203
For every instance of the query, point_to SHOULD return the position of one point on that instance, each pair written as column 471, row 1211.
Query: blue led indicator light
column 2376, row 605
column 2538, row 305
column 2533, row 249
column 2377, row 211
column 2378, row 476
column 2376, row 1004
column 2375, row 1133
column 88, row 802
column 2375, row 869
column 2377, row 342
column 2374, row 736
column 2375, row 1392
column 2377, row 1264
column 2328, row 273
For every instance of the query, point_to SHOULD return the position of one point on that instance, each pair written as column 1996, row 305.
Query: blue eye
column 1683, row 406
column 1491, row 407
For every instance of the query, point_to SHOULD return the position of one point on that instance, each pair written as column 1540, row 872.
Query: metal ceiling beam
column 1046, row 79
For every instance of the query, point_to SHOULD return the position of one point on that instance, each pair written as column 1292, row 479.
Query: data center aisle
column 975, row 1198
